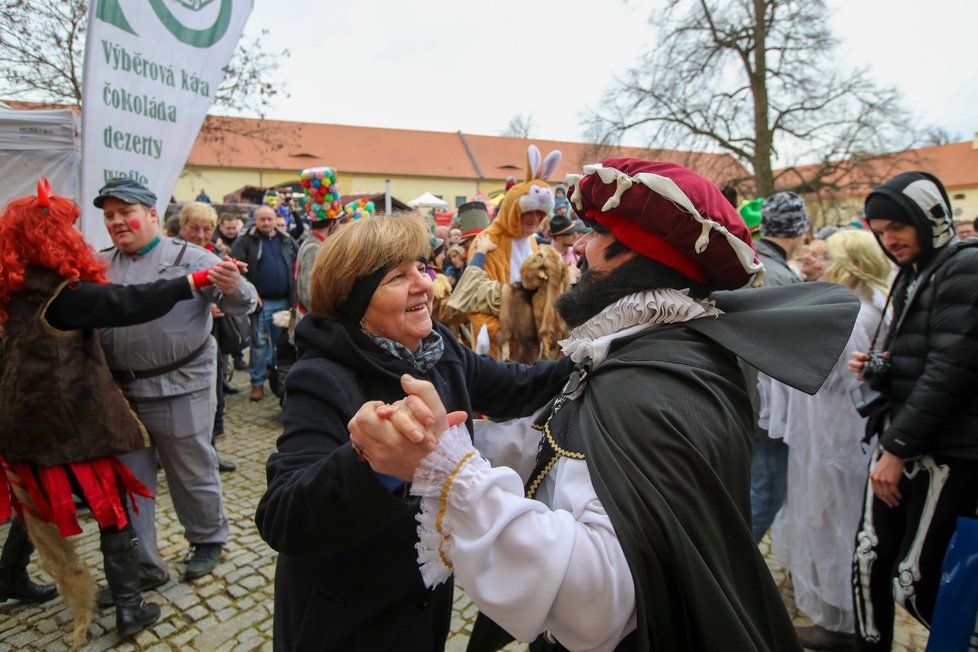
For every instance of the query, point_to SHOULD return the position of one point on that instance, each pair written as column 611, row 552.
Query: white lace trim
column 633, row 314
column 433, row 481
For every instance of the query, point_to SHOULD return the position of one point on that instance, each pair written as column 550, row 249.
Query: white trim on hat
column 667, row 188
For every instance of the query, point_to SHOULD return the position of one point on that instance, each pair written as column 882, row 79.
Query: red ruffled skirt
column 49, row 488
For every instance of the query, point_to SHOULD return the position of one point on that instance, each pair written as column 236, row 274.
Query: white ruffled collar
column 633, row 314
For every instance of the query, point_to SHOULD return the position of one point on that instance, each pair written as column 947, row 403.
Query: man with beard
column 924, row 473
column 619, row 516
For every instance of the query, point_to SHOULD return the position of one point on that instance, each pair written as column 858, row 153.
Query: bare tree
column 520, row 126
column 42, row 48
column 756, row 79
column 939, row 136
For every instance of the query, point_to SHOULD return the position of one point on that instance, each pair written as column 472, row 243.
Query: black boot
column 14, row 582
column 132, row 615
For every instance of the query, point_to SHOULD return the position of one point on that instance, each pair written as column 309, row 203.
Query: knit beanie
column 879, row 206
column 783, row 215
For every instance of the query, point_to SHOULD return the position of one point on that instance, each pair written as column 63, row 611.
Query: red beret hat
column 670, row 214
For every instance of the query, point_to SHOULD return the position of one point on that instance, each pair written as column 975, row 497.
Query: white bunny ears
column 534, row 168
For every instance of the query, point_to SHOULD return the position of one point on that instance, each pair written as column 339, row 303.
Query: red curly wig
column 29, row 235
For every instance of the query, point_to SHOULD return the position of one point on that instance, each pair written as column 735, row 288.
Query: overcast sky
column 449, row 65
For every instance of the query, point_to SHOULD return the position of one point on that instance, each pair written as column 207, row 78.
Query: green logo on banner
column 110, row 12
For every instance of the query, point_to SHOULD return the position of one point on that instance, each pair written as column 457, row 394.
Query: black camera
column 876, row 368
column 869, row 402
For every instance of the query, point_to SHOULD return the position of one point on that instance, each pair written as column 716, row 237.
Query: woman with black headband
column 347, row 575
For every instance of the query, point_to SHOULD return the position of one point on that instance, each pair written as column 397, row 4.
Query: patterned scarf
column 423, row 360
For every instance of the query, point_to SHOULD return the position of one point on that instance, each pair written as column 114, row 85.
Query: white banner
column 151, row 70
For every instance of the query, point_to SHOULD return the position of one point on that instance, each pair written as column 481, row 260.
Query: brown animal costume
column 503, row 264
column 529, row 323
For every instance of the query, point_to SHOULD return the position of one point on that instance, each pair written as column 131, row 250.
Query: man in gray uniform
column 166, row 370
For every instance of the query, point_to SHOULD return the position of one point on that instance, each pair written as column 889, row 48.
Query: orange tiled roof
column 371, row 150
column 956, row 165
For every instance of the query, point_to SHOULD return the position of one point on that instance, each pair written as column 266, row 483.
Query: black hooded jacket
column 933, row 342
column 347, row 576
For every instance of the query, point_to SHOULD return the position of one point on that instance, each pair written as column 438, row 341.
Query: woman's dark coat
column 347, row 575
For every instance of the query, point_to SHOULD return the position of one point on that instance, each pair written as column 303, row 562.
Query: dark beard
column 597, row 290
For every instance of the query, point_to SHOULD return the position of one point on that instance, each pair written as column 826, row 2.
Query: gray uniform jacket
column 178, row 333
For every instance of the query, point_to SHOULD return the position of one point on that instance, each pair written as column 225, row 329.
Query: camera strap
column 889, row 295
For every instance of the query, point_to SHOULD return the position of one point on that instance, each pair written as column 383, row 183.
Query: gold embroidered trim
column 443, row 506
column 560, row 452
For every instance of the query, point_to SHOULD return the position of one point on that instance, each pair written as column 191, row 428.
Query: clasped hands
column 394, row 437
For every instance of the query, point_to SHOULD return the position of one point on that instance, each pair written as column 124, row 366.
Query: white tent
column 36, row 144
column 427, row 200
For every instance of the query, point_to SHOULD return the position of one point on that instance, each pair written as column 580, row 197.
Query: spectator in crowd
column 564, row 232
column 750, row 212
column 227, row 233
column 636, row 533
column 53, row 295
column 454, row 236
column 784, row 226
column 454, row 264
column 203, row 197
column 827, row 462
column 166, row 369
column 321, row 228
column 814, row 259
column 345, row 535
column 198, row 222
column 472, row 217
column 965, row 229
column 171, row 228
column 924, row 472
column 270, row 258
column 442, row 232
column 562, row 205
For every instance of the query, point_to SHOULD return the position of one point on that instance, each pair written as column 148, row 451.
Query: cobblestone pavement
column 231, row 610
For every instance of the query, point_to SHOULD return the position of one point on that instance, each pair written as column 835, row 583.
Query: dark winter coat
column 347, row 576
column 249, row 247
column 933, row 340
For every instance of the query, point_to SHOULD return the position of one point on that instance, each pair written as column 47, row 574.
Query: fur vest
column 58, row 404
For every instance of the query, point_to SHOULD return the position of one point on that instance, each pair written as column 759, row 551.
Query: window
column 459, row 200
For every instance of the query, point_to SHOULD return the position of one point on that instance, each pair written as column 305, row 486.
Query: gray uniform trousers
column 180, row 429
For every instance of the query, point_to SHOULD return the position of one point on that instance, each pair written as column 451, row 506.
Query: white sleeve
column 509, row 443
column 529, row 568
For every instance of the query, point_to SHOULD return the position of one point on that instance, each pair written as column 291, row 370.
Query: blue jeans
column 264, row 336
column 768, row 483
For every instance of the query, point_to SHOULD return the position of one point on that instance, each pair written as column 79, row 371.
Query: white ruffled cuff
column 433, row 481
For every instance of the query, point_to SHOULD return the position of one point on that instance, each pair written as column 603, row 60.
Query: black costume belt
column 123, row 376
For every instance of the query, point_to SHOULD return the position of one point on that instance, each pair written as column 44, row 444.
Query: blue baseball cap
column 127, row 190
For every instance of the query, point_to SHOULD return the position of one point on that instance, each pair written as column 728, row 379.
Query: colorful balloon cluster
column 322, row 193
column 359, row 208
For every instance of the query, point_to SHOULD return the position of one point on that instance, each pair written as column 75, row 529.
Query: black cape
column 666, row 427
